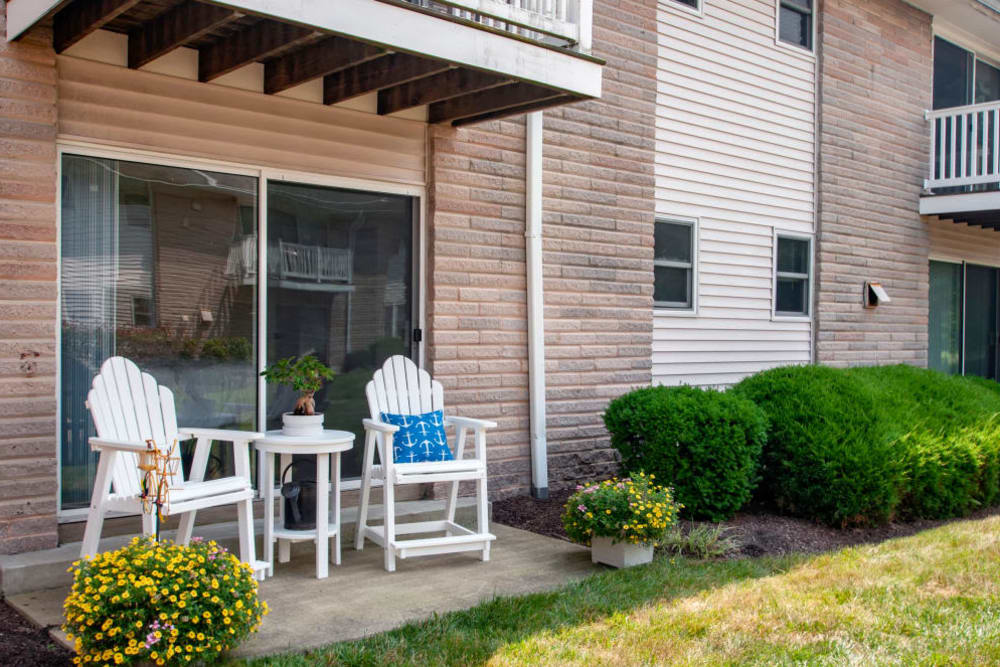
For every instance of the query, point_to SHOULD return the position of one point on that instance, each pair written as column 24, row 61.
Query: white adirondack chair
column 402, row 388
column 128, row 407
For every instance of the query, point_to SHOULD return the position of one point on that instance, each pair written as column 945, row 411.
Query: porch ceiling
column 984, row 219
column 227, row 37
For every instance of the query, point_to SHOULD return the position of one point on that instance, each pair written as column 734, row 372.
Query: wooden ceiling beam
column 258, row 42
column 316, row 60
column 436, row 88
column 513, row 111
column 375, row 74
column 173, row 29
column 77, row 20
column 490, row 100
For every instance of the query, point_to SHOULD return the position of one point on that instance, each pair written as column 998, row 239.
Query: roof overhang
column 464, row 72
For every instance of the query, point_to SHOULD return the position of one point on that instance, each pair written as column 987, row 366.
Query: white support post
column 536, row 307
column 585, row 24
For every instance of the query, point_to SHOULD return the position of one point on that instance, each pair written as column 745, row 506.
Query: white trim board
column 945, row 205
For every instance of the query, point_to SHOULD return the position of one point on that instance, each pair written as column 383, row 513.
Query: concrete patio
column 359, row 598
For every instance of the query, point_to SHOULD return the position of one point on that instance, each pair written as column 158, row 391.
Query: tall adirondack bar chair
column 401, row 388
column 128, row 408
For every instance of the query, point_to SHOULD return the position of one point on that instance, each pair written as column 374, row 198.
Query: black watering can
column 300, row 500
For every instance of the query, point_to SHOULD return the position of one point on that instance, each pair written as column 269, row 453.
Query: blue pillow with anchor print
column 420, row 438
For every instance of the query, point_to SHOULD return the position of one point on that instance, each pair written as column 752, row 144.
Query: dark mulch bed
column 757, row 532
column 24, row 645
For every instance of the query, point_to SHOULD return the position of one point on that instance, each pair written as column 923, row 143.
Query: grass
column 933, row 598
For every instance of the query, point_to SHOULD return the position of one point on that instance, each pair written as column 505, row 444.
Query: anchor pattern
column 420, row 438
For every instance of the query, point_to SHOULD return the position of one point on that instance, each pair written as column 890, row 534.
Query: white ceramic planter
column 293, row 424
column 623, row 554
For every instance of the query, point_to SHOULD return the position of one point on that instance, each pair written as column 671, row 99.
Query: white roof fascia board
column 22, row 14
column 422, row 34
column 960, row 203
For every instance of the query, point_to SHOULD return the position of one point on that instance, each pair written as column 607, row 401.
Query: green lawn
column 929, row 599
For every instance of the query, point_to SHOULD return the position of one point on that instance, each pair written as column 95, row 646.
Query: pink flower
column 582, row 508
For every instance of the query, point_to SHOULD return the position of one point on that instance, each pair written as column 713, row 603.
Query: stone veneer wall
column 598, row 229
column 28, row 269
column 875, row 83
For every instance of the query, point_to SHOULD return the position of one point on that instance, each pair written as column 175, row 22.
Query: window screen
column 792, row 276
column 795, row 19
column 673, row 264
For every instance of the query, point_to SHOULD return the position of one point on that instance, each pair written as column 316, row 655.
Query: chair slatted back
column 127, row 404
column 401, row 388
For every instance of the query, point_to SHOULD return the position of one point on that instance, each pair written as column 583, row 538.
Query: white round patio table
column 324, row 445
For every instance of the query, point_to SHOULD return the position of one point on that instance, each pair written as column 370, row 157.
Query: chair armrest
column 220, row 434
column 97, row 444
column 469, row 422
column 381, row 427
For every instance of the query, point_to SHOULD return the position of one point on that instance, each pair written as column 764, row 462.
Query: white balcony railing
column 965, row 146
column 559, row 22
column 290, row 261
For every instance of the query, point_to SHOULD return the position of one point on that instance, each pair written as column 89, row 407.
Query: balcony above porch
column 465, row 61
column 963, row 181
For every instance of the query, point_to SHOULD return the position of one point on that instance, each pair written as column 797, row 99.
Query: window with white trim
column 795, row 22
column 673, row 264
column 693, row 4
column 792, row 275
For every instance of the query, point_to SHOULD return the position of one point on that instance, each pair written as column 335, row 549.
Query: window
column 693, row 4
column 792, row 276
column 795, row 22
column 673, row 264
column 142, row 311
column 960, row 78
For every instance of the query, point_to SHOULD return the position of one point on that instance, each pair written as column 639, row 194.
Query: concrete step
column 41, row 570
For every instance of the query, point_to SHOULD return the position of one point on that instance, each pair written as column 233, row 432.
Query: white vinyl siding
column 734, row 149
column 113, row 105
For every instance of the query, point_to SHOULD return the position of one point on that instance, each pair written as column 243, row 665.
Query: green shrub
column 705, row 444
column 946, row 431
column 828, row 455
column 941, row 474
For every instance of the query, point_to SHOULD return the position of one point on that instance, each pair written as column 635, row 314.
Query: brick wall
column 598, row 229
column 875, row 83
column 27, row 292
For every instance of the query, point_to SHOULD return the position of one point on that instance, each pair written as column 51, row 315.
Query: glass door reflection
column 339, row 287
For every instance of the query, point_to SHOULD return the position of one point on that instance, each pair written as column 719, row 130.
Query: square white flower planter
column 623, row 554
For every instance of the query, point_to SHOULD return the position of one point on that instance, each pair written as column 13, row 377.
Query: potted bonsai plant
column 621, row 520
column 306, row 376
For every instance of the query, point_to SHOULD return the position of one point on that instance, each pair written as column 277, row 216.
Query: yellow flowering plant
column 634, row 510
column 160, row 603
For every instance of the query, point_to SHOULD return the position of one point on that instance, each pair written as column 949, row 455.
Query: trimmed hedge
column 828, row 454
column 844, row 446
column 947, row 434
column 867, row 444
column 705, row 444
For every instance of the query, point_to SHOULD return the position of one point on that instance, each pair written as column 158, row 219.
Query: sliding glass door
column 981, row 321
column 964, row 319
column 339, row 287
column 945, row 317
column 146, row 275
column 160, row 264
